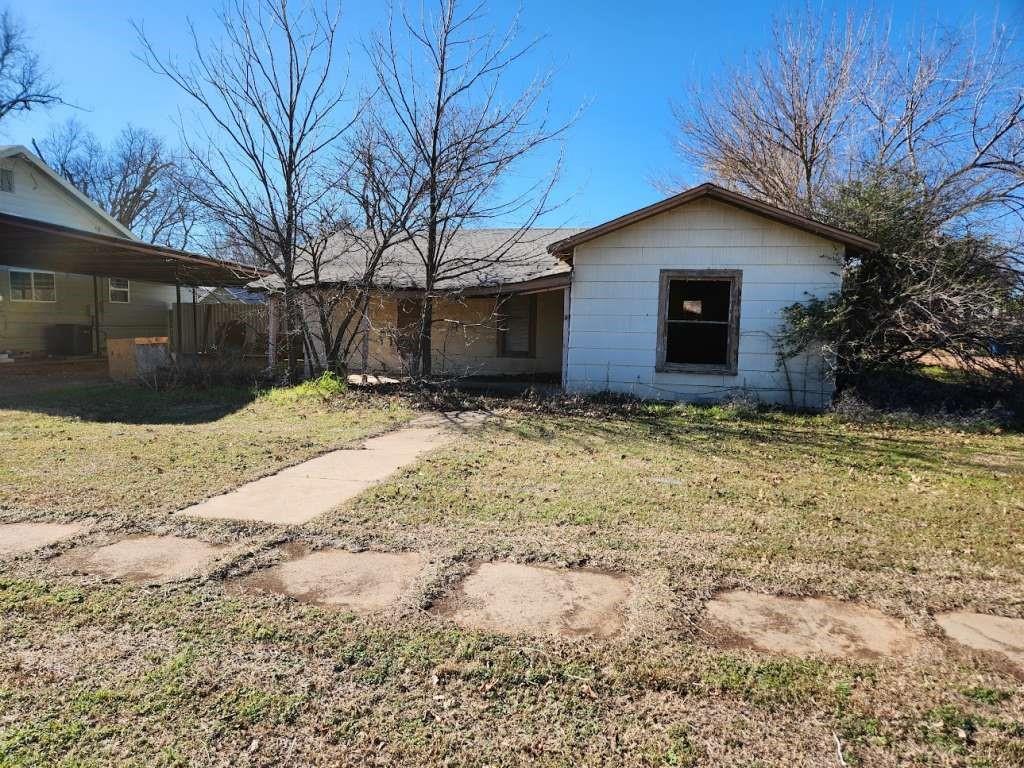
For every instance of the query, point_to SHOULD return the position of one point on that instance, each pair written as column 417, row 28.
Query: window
column 30, row 285
column 120, row 290
column 699, row 321
column 6, row 180
column 517, row 324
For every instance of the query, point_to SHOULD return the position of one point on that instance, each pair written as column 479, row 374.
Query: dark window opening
column 517, row 323
column 699, row 321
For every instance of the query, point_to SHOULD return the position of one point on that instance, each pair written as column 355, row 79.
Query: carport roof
column 34, row 244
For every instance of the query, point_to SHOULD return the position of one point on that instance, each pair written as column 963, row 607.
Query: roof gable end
column 24, row 153
column 563, row 249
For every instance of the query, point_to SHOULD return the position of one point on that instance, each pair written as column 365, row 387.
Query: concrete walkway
column 298, row 494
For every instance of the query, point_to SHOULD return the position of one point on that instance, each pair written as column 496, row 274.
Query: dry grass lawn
column 910, row 519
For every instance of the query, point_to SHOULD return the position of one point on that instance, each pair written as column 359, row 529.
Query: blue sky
column 626, row 60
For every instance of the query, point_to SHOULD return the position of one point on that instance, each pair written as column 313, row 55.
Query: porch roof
column 34, row 244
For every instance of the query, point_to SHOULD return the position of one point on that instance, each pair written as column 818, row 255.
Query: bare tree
column 24, row 83
column 137, row 180
column 267, row 97
column 779, row 128
column 917, row 145
column 446, row 85
column 382, row 201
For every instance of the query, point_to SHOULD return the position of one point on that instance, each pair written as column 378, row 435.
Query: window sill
column 722, row 370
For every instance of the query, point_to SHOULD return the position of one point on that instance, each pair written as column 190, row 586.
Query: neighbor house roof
column 17, row 150
column 230, row 294
column 563, row 248
column 477, row 261
column 41, row 245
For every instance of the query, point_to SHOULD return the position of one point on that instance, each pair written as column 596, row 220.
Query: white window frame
column 33, row 272
column 127, row 290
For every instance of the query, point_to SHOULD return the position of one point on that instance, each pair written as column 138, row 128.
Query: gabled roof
column 563, row 249
column 17, row 150
column 477, row 261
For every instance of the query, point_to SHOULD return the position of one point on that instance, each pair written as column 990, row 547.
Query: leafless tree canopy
column 444, row 85
column 24, row 83
column 918, row 145
column 268, row 97
column 829, row 98
column 136, row 180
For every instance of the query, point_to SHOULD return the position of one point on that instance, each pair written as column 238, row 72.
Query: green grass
column 112, row 447
column 753, row 486
column 909, row 517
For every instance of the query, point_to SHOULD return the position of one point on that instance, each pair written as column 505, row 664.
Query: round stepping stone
column 16, row 538
column 807, row 626
column 357, row 581
column 526, row 599
column 144, row 559
column 984, row 632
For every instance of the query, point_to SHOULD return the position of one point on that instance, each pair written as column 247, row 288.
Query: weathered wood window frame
column 125, row 289
column 35, row 291
column 531, row 329
column 735, row 279
column 6, row 180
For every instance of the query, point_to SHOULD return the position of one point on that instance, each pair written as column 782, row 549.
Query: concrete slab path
column 144, row 559
column 357, row 581
column 538, row 600
column 807, row 626
column 16, row 538
column 298, row 494
column 984, row 632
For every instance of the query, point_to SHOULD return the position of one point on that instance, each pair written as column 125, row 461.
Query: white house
column 683, row 299
column 680, row 300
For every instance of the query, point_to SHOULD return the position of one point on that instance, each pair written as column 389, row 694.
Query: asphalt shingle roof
column 475, row 258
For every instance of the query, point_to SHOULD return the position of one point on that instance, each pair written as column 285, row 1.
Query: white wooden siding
column 613, row 319
column 36, row 196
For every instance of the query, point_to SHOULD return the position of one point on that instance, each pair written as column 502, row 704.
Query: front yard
column 910, row 519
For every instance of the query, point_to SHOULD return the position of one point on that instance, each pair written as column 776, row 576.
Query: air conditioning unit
column 69, row 339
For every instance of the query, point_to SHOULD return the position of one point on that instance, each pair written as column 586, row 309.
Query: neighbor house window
column 31, row 285
column 120, row 290
column 517, row 326
column 699, row 321
column 6, row 180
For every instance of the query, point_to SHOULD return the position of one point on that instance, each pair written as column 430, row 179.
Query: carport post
column 177, row 318
column 96, row 313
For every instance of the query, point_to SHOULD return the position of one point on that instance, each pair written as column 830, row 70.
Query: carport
column 34, row 244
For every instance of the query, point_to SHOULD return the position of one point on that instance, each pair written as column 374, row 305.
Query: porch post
column 566, row 304
column 195, row 324
column 96, row 314
column 177, row 319
column 271, row 331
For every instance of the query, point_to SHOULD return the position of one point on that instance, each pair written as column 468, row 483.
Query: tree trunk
column 289, row 332
column 426, row 326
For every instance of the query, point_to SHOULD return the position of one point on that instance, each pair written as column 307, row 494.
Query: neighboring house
column 681, row 300
column 33, row 301
column 229, row 294
column 71, row 276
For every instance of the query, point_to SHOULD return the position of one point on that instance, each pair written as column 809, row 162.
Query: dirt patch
column 144, row 559
column 16, row 538
column 984, row 632
column 358, row 581
column 807, row 626
column 534, row 600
